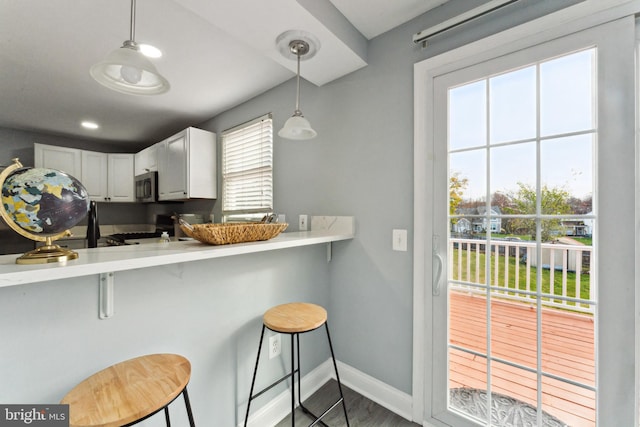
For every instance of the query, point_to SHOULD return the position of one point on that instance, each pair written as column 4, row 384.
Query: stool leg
column 253, row 381
column 317, row 419
column 187, row 403
column 299, row 382
column 293, row 382
column 335, row 366
column 166, row 416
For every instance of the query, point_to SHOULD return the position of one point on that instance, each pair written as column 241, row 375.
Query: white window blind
column 247, row 170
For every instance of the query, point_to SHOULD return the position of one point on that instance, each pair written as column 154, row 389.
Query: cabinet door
column 94, row 175
column 120, row 182
column 146, row 160
column 172, row 172
column 61, row 158
column 201, row 164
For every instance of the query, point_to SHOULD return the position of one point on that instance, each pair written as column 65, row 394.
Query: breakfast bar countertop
column 120, row 258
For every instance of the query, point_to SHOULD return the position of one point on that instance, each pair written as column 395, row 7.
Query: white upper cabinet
column 108, row 177
column 61, row 158
column 187, row 166
column 95, row 175
column 120, row 182
column 147, row 160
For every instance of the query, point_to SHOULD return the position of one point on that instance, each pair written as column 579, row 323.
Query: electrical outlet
column 275, row 346
column 302, row 222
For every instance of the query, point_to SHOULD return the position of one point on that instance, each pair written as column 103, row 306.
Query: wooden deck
column 567, row 352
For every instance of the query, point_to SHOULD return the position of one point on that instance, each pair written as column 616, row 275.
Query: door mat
column 505, row 411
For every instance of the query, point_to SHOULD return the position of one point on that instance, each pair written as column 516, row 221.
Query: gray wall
column 19, row 143
column 361, row 164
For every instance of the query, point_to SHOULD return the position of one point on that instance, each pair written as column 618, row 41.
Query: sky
column 498, row 117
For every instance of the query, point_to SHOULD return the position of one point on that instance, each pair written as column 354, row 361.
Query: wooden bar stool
column 129, row 392
column 295, row 319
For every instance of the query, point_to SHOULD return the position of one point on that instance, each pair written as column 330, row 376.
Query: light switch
column 399, row 240
column 303, row 221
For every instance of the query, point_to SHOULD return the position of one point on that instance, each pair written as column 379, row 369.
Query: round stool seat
column 295, row 317
column 128, row 391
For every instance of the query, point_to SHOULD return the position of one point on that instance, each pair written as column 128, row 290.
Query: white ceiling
column 217, row 54
column 374, row 17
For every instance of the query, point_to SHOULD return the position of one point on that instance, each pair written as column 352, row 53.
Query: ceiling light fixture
column 298, row 44
column 89, row 125
column 127, row 70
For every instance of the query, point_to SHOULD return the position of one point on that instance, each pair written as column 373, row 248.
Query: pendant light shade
column 297, row 126
column 128, row 70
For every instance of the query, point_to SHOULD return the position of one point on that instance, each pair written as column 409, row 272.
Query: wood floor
column 567, row 352
column 362, row 411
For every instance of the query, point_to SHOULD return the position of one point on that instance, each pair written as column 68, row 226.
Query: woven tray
column 225, row 234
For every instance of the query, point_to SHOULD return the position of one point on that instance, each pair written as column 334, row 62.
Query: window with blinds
column 247, row 170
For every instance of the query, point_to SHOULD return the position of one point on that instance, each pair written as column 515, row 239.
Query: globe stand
column 49, row 252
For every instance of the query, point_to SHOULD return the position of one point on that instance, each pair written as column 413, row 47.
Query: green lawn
column 525, row 237
column 585, row 240
column 522, row 278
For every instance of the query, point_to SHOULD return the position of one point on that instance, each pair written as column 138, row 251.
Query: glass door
column 518, row 240
column 520, row 253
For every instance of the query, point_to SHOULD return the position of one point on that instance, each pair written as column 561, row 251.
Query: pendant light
column 297, row 126
column 128, row 70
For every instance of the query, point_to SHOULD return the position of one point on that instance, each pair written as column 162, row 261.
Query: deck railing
column 512, row 266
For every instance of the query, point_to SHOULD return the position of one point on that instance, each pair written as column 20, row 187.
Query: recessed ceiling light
column 150, row 51
column 89, row 125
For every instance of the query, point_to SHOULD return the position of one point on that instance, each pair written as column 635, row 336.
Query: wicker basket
column 225, row 234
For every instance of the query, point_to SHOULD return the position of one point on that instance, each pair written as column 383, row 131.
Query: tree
column 554, row 201
column 457, row 186
column 581, row 206
column 503, row 202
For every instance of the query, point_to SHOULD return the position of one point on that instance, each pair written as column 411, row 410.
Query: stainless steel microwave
column 147, row 187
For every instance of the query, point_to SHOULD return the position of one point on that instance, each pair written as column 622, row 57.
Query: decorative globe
column 44, row 201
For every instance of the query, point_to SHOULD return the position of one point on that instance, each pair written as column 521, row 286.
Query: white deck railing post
column 465, row 276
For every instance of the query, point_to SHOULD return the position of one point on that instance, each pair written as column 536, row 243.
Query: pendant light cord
column 132, row 32
column 298, row 112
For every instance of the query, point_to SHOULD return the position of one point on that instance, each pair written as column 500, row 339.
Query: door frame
column 573, row 19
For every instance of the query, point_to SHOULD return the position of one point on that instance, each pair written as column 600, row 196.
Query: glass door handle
column 437, row 277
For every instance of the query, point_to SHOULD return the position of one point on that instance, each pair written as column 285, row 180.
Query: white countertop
column 120, row 258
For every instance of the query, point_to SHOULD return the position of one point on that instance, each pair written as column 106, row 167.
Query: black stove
column 164, row 222
column 118, row 239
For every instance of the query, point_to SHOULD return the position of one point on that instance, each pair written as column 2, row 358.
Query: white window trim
column 564, row 22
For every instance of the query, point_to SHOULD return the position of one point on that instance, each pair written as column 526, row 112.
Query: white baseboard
column 383, row 394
